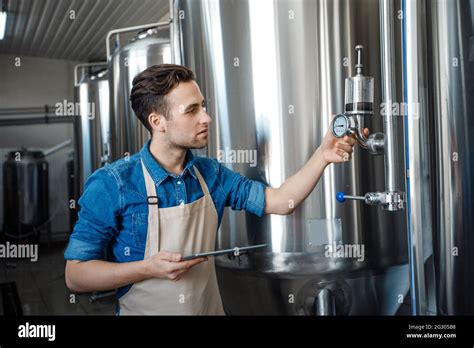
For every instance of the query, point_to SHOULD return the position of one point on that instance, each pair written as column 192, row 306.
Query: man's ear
column 157, row 122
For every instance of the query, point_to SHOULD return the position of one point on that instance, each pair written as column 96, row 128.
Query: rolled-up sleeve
column 100, row 206
column 241, row 192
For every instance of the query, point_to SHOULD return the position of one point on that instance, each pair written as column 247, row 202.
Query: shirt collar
column 157, row 172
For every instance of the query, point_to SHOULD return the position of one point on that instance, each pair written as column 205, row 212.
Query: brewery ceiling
column 72, row 29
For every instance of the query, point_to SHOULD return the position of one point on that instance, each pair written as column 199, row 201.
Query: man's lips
column 203, row 131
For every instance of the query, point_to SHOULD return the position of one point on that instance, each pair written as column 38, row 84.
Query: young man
column 162, row 204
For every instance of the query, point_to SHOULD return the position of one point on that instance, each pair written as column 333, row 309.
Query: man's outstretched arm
column 284, row 199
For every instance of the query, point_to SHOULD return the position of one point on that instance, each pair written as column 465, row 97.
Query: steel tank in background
column 148, row 48
column 439, row 85
column 273, row 75
column 450, row 44
column 94, row 142
column 25, row 196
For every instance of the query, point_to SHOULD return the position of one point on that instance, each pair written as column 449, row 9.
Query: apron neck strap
column 153, row 240
column 150, row 186
column 203, row 184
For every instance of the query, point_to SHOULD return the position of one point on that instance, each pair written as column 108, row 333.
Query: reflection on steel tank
column 25, row 196
column 149, row 47
column 93, row 143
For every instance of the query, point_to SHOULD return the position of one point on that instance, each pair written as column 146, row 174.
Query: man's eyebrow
column 193, row 105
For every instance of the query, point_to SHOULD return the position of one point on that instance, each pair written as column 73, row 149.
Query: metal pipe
column 25, row 111
column 419, row 214
column 84, row 65
column 325, row 303
column 128, row 29
column 31, row 115
column 388, row 95
column 57, row 147
column 361, row 138
column 174, row 39
column 36, row 120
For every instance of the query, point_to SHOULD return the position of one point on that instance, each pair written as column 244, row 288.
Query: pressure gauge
column 340, row 125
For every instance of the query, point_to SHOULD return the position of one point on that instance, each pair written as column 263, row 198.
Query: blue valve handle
column 341, row 197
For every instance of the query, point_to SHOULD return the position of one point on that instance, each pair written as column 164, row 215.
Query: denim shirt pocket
column 140, row 228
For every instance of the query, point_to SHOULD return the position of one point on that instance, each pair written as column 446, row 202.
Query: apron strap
column 203, row 184
column 153, row 239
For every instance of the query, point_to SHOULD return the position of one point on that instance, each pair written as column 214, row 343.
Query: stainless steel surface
column 360, row 198
column 82, row 67
column 325, row 303
column 280, row 105
column 388, row 82
column 376, row 143
column 25, row 195
column 359, row 293
column 150, row 48
column 174, row 17
column 418, row 153
column 450, row 36
column 94, row 143
column 117, row 32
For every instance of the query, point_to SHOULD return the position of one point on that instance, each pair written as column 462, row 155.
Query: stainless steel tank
column 439, row 85
column 148, row 48
column 273, row 75
column 451, row 47
column 94, row 124
column 25, row 195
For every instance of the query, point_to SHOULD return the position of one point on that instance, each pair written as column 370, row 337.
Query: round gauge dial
column 340, row 125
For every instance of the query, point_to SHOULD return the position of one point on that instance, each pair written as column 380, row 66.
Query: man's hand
column 99, row 275
column 167, row 265
column 337, row 150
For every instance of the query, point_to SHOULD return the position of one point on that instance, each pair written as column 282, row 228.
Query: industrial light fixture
column 3, row 24
column 3, row 19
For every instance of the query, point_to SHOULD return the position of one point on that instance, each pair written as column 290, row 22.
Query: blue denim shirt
column 114, row 210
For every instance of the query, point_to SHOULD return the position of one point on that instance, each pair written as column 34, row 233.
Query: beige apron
column 186, row 229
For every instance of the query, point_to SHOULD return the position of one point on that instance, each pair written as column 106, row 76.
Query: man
column 162, row 204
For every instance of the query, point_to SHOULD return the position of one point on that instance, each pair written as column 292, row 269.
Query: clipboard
column 235, row 251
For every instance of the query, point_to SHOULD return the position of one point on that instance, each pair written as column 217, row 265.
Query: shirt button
column 179, row 182
column 181, row 202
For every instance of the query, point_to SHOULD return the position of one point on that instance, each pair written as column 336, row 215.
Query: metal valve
column 388, row 200
column 358, row 104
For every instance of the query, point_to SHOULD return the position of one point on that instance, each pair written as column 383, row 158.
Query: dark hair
column 152, row 85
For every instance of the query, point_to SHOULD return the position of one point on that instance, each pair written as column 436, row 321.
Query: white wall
column 35, row 83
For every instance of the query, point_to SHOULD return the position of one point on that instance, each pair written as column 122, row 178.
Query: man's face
column 188, row 124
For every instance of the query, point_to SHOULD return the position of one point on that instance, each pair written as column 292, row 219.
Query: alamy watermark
column 228, row 155
column 37, row 331
column 400, row 109
column 345, row 251
column 66, row 108
column 20, row 251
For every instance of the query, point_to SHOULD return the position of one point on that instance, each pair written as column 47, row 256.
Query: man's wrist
column 144, row 268
column 319, row 156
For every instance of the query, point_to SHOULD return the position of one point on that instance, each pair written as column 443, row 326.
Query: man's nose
column 205, row 118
